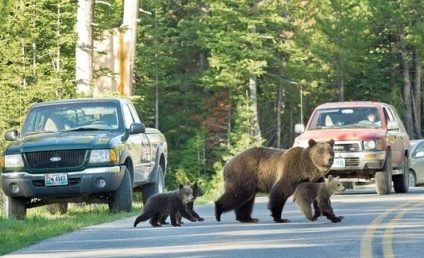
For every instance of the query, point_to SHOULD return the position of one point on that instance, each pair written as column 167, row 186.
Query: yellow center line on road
column 388, row 233
column 366, row 241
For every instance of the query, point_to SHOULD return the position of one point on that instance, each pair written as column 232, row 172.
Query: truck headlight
column 13, row 161
column 103, row 155
column 370, row 145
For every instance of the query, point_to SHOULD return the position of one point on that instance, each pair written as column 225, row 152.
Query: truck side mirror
column 11, row 135
column 299, row 128
column 136, row 128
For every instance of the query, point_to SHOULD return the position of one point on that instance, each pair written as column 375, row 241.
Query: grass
column 40, row 224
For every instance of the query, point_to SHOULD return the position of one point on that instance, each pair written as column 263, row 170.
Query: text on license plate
column 56, row 179
column 339, row 163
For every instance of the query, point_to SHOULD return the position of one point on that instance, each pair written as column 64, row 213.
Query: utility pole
column 84, row 47
column 127, row 47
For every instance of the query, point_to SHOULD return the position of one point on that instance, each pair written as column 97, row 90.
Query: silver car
column 416, row 159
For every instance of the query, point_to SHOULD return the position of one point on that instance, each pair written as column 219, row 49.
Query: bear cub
column 318, row 195
column 197, row 192
column 173, row 203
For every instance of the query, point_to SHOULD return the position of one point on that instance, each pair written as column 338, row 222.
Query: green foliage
column 191, row 162
column 107, row 16
column 190, row 51
column 31, row 67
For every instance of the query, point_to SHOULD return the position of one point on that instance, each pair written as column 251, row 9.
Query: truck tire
column 383, row 179
column 157, row 186
column 122, row 198
column 61, row 208
column 401, row 182
column 16, row 207
column 412, row 179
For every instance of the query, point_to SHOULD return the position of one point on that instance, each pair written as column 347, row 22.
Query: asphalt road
column 374, row 226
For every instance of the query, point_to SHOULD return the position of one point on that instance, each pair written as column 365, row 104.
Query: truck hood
column 349, row 134
column 61, row 141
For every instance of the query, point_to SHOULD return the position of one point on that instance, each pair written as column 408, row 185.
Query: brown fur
column 172, row 203
column 273, row 171
column 197, row 192
column 309, row 192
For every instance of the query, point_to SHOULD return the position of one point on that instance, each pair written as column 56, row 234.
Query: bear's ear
column 330, row 178
column 331, row 142
column 181, row 186
column 312, row 142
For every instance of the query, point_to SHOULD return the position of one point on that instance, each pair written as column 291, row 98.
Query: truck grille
column 55, row 159
column 347, row 147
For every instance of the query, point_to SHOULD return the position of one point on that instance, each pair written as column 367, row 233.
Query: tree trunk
column 58, row 37
column 341, row 87
column 279, row 111
column 417, row 93
column 255, row 131
column 129, row 25
column 407, row 99
column 157, row 102
column 84, row 48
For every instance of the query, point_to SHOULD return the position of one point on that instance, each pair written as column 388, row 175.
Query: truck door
column 139, row 146
column 394, row 137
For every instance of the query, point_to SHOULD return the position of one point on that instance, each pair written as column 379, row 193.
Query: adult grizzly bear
column 312, row 192
column 273, row 171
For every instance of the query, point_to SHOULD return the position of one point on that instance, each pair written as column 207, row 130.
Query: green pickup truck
column 82, row 151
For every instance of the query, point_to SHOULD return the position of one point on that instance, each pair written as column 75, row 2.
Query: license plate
column 339, row 163
column 56, row 179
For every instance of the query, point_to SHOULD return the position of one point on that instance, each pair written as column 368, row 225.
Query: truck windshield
column 72, row 116
column 352, row 117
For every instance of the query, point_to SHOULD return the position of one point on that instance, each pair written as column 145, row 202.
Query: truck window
column 388, row 113
column 127, row 116
column 354, row 117
column 67, row 116
column 134, row 113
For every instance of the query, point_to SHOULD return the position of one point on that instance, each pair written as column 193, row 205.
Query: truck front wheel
column 157, row 186
column 16, row 207
column 401, row 182
column 383, row 179
column 122, row 198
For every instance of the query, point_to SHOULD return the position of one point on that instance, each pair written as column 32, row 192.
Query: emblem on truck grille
column 55, row 159
column 338, row 147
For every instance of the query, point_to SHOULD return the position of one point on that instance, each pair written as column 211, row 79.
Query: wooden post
column 127, row 56
column 84, row 48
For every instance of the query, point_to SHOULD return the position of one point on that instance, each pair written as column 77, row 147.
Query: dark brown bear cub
column 319, row 194
column 273, row 171
column 197, row 192
column 172, row 203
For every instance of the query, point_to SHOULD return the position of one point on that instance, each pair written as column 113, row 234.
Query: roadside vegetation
column 16, row 234
column 40, row 224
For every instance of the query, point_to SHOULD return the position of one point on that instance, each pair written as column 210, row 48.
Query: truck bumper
column 88, row 181
column 357, row 161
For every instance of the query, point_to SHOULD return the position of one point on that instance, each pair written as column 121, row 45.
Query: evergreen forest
column 218, row 76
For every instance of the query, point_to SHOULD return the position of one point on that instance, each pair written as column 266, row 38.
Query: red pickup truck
column 371, row 143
